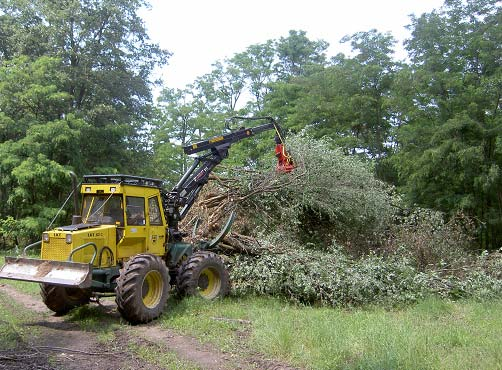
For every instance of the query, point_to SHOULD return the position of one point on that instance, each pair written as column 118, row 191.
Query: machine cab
column 133, row 205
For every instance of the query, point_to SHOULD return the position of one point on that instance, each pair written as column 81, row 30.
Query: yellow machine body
column 118, row 221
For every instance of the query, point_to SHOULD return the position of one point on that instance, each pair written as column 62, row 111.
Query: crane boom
column 181, row 198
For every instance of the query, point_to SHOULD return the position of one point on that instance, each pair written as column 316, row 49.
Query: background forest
column 76, row 94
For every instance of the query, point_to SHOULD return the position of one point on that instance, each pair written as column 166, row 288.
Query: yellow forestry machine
column 126, row 242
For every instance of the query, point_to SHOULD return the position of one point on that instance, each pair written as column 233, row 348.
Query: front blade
column 71, row 274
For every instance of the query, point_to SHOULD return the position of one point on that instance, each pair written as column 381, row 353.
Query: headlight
column 45, row 237
column 68, row 238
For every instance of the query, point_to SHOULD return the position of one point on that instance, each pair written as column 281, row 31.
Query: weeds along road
column 96, row 338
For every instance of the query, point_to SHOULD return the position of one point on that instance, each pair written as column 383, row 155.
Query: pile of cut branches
column 242, row 194
column 328, row 193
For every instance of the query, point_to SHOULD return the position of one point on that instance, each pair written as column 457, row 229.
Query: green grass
column 157, row 356
column 199, row 318
column 13, row 318
column 23, row 286
column 433, row 334
column 93, row 318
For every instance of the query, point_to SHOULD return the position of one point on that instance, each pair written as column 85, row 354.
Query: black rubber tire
column 203, row 274
column 142, row 288
column 62, row 299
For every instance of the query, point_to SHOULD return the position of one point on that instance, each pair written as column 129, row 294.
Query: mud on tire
column 203, row 274
column 62, row 299
column 142, row 288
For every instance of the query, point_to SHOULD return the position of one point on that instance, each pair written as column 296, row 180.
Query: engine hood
column 76, row 227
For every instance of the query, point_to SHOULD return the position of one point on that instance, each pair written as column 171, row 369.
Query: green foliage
column 431, row 126
column 31, row 91
column 448, row 156
column 328, row 195
column 431, row 242
column 298, row 55
column 102, row 76
column 433, row 334
column 180, row 118
column 222, row 87
column 341, row 242
column 332, row 235
column 256, row 64
column 331, row 277
column 39, row 144
column 341, row 256
column 347, row 101
column 74, row 95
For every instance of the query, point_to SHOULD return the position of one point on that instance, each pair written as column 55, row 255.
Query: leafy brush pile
column 329, row 233
column 334, row 278
column 338, row 190
column 328, row 196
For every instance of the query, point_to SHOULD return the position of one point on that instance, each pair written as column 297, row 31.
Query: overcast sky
column 199, row 32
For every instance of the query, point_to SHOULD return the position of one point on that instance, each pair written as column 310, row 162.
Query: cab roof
column 123, row 180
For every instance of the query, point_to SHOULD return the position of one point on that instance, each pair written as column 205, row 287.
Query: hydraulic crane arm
column 230, row 138
column 180, row 199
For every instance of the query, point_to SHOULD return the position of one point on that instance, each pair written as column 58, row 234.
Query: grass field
column 433, row 334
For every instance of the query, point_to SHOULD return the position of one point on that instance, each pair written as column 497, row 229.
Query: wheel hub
column 203, row 282
column 151, row 289
column 209, row 283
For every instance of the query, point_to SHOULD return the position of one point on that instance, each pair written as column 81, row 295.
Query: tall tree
column 106, row 59
column 222, row 87
column 298, row 55
column 347, row 101
column 450, row 153
column 38, row 142
column 182, row 117
column 256, row 64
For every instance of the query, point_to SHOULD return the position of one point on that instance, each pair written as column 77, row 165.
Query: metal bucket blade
column 70, row 274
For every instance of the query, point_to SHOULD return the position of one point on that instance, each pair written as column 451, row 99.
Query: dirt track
column 63, row 344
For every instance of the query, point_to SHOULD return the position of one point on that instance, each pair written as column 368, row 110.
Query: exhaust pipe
column 76, row 218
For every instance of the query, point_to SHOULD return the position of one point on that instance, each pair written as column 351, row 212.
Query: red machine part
column 284, row 160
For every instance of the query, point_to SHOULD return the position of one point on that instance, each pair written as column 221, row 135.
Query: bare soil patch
column 190, row 349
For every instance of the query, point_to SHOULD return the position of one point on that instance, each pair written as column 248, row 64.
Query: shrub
column 431, row 241
column 329, row 233
column 338, row 189
column 19, row 233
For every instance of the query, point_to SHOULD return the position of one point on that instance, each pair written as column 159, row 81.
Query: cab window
column 102, row 209
column 135, row 209
column 154, row 212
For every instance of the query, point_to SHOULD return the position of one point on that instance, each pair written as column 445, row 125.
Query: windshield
column 103, row 209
